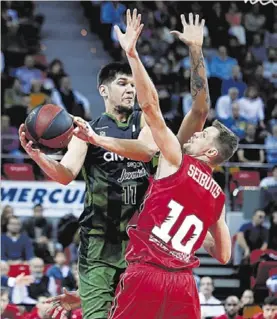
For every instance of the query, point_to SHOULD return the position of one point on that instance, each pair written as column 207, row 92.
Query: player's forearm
column 198, row 81
column 58, row 172
column 133, row 149
column 221, row 246
column 147, row 94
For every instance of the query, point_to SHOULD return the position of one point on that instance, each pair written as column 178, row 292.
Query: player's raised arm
column 142, row 149
column 147, row 95
column 192, row 35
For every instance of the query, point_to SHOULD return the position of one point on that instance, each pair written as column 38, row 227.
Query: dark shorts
column 100, row 266
column 148, row 292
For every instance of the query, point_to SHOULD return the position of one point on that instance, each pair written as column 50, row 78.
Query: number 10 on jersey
column 189, row 221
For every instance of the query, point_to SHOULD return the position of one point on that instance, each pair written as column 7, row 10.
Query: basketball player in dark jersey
column 193, row 122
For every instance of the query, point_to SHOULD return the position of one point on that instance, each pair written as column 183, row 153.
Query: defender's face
column 202, row 143
column 121, row 91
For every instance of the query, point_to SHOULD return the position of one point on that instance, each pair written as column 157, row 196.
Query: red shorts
column 148, row 292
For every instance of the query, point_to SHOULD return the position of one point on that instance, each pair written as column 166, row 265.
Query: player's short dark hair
column 110, row 71
column 274, row 167
column 227, row 142
column 271, row 301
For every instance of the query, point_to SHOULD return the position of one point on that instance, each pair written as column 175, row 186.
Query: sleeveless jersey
column 176, row 215
column 115, row 186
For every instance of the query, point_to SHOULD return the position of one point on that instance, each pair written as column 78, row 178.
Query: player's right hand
column 27, row 145
column 84, row 131
column 128, row 40
column 64, row 303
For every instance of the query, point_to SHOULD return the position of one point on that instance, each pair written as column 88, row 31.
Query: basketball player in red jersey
column 183, row 203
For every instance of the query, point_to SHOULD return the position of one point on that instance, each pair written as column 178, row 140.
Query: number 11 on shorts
column 163, row 231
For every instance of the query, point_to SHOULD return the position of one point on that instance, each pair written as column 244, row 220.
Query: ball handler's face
column 202, row 143
column 120, row 92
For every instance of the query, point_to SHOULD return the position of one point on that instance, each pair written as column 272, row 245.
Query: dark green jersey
column 115, row 185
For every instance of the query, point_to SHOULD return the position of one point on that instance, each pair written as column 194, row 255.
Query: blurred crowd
column 240, row 50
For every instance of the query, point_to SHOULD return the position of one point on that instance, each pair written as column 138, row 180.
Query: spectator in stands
column 234, row 82
column 271, row 143
column 263, row 85
column 252, row 106
column 7, row 281
column 232, row 307
column 236, row 123
column 38, row 95
column 249, row 65
column 56, row 72
column 258, row 49
column 247, row 298
column 16, row 247
column 270, row 40
column 272, row 238
column 270, row 180
column 43, row 285
column 61, row 272
column 146, row 55
column 14, row 95
column 10, row 142
column 208, row 52
column 41, row 309
column 8, row 311
column 40, row 231
column 269, row 309
column 7, row 212
column 217, row 25
column 251, row 236
column 207, row 300
column 224, row 104
column 270, row 67
column 72, row 100
column 221, row 65
column 27, row 73
column 234, row 17
column 251, row 155
column 253, row 22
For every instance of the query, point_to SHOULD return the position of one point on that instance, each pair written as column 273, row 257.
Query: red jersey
column 176, row 215
column 11, row 312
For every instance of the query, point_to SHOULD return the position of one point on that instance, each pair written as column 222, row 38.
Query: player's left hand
column 193, row 32
column 62, row 304
column 128, row 40
column 84, row 131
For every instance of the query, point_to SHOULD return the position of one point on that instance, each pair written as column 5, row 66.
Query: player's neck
column 205, row 159
column 118, row 115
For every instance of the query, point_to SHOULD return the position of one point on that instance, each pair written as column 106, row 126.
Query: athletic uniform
column 115, row 187
column 176, row 215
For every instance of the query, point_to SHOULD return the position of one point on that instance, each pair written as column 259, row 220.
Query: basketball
column 50, row 126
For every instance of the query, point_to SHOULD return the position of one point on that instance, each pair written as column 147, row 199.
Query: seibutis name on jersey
column 204, row 180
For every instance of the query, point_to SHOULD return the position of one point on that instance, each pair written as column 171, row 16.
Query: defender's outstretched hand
column 84, row 131
column 128, row 40
column 193, row 32
column 27, row 145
